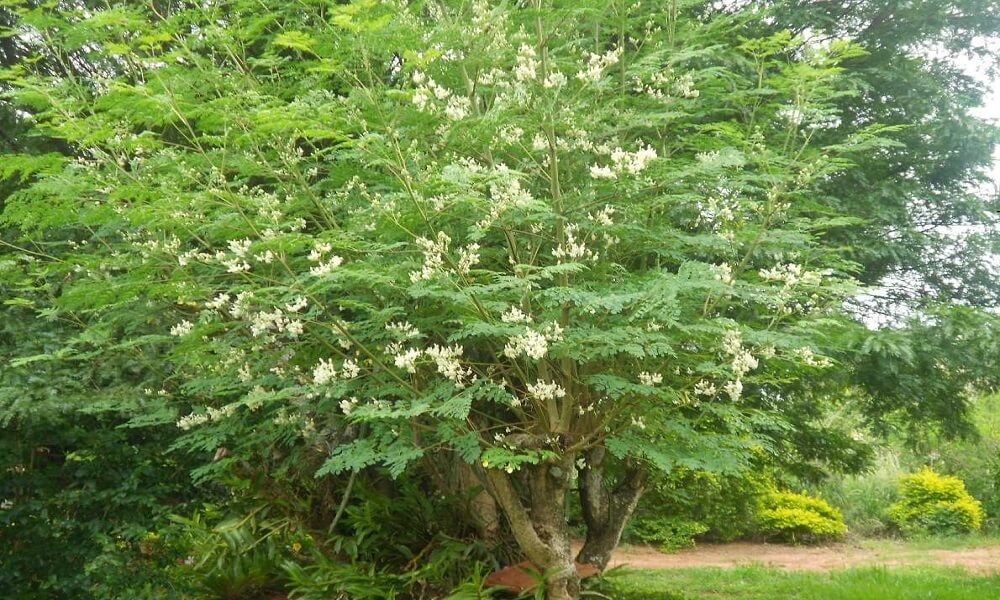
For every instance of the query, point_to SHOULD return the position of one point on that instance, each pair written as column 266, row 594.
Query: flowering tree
column 564, row 244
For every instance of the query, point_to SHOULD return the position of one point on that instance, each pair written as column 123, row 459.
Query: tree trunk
column 537, row 516
column 606, row 511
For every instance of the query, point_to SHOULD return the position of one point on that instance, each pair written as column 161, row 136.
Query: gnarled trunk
column 606, row 511
column 537, row 516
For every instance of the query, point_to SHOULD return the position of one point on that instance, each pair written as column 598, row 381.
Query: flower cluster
column 572, row 248
column 624, row 162
column 326, row 264
column 791, row 275
column 533, row 344
column 650, row 379
column 596, row 65
column 545, row 390
column 434, row 251
column 742, row 362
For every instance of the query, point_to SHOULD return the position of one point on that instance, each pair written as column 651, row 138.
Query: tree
column 555, row 242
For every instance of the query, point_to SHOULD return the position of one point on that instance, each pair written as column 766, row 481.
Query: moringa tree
column 563, row 243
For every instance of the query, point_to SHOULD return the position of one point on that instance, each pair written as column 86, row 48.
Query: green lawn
column 759, row 583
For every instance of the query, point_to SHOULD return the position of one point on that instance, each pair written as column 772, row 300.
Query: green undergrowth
column 759, row 583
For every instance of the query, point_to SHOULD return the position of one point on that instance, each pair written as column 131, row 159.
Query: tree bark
column 537, row 516
column 606, row 511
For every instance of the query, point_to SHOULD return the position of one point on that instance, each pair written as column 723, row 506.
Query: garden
column 413, row 300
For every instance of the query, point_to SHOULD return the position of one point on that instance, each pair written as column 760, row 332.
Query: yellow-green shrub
column 932, row 503
column 799, row 518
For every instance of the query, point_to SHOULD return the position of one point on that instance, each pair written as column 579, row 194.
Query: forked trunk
column 606, row 511
column 537, row 516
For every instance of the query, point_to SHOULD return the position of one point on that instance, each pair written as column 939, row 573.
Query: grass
column 759, row 583
column 958, row 542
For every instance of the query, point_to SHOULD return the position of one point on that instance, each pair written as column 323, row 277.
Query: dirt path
column 802, row 558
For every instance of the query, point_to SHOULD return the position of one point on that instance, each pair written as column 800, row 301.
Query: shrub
column 865, row 498
column 670, row 533
column 938, row 504
column 799, row 518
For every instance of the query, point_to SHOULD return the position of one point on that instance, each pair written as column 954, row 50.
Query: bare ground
column 983, row 560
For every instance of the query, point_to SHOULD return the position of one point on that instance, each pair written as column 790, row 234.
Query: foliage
column 865, row 498
column 935, row 504
column 799, row 518
column 329, row 241
column 669, row 533
column 722, row 505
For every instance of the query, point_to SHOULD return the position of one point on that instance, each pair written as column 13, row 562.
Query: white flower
column 723, row 273
column 347, row 405
column 294, row 328
column 650, row 378
column 324, row 372
column 446, row 359
column 319, row 250
column 515, row 315
column 554, row 80
column 327, row 267
column 219, row 302
column 596, row 64
column 181, row 329
column 351, row 369
column 704, row 388
column 422, row 98
column 539, row 143
column 468, row 257
column 743, row 362
column 239, row 247
column 433, row 256
column 544, row 390
column 571, row 248
column 192, row 420
column 408, row 360
column 402, row 329
column 734, row 389
column 458, row 108
column 526, row 68
column 296, row 305
column 603, row 216
column 530, row 343
column 602, row 172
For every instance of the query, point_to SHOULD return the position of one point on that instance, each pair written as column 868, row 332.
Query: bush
column 669, row 533
column 799, row 518
column 865, row 498
column 935, row 504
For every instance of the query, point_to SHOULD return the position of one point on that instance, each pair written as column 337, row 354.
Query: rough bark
column 606, row 511
column 537, row 516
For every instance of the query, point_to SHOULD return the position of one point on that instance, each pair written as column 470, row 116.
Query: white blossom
column 350, row 369
column 324, row 372
column 446, row 359
column 457, row 108
column 515, row 315
column 181, row 329
column 530, row 343
column 326, row 267
column 554, row 80
column 597, row 63
column 402, row 329
column 526, row 68
column 734, row 389
column 650, row 378
column 296, row 305
column 408, row 360
column 723, row 273
column 545, row 390
column 468, row 257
